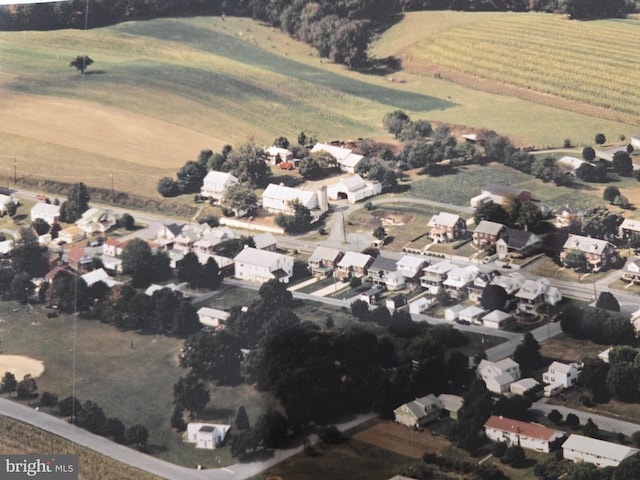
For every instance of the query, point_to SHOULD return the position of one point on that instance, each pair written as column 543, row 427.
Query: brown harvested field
column 85, row 140
column 402, row 440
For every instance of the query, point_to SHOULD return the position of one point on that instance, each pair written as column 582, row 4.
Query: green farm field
column 162, row 90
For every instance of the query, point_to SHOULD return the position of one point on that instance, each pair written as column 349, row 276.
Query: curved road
column 151, row 464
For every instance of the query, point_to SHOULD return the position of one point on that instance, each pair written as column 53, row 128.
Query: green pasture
column 238, row 81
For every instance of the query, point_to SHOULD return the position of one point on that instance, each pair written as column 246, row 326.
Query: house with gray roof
column 347, row 160
column 515, row 241
column 323, row 261
column 435, row 275
column 579, row 448
column 384, row 271
column 534, row 293
column 446, row 227
column 265, row 241
column 628, row 228
column 353, row 264
column 419, row 412
column 599, row 254
column 487, row 233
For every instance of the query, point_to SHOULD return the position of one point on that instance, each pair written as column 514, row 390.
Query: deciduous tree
column 190, row 393
column 81, row 62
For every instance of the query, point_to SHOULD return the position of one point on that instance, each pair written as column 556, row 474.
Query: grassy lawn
column 545, row 267
column 19, row 439
column 566, row 349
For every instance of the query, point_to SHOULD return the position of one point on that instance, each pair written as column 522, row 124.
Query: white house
column 602, row 454
column 96, row 220
column 419, row 412
column 5, row 200
column 411, row 266
column 212, row 317
column 497, row 376
column 353, row 189
column 497, row 319
column 215, row 184
column 535, row 293
column 206, row 435
column 99, row 275
column 458, row 279
column 347, row 160
column 277, row 155
column 562, row 374
column 353, row 264
column 46, row 211
column 71, row 234
column 435, row 275
column 261, row 266
column 526, row 435
column 511, row 282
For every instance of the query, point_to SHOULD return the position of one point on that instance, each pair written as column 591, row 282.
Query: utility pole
column 15, row 170
column 113, row 191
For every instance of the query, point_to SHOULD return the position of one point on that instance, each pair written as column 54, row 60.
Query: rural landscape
column 299, row 240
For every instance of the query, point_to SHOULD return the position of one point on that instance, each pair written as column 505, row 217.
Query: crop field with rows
column 589, row 62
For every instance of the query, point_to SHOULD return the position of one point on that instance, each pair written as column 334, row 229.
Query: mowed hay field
column 162, row 90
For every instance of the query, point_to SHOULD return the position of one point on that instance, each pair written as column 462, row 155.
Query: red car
column 286, row 166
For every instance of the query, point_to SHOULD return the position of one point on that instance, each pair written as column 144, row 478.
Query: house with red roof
column 79, row 260
column 524, row 434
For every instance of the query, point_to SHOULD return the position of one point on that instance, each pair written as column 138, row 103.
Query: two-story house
column 383, row 271
column 535, row 293
column 487, row 233
column 599, row 254
column 446, row 227
column 562, row 374
column 353, row 264
column 497, row 376
column 215, row 184
column 323, row 261
column 411, row 267
column 261, row 266
column 458, row 279
column 435, row 275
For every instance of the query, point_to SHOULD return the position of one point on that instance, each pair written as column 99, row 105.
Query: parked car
column 286, row 166
column 43, row 198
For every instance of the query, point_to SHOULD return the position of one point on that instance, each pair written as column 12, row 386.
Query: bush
column 355, row 282
column 499, row 449
column 48, row 399
column 331, row 435
column 555, row 416
column 228, row 212
column 369, row 206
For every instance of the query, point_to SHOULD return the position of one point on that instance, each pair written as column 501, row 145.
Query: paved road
column 153, row 465
column 604, row 423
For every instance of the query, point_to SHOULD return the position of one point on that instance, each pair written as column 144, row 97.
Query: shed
column 497, row 319
column 453, row 312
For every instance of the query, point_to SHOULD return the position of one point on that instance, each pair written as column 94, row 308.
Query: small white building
column 46, row 211
column 526, row 435
column 421, row 305
column 260, row 266
column 497, row 319
column 562, row 374
column 96, row 220
column 602, row 454
column 569, row 164
column 353, row 189
column 472, row 314
column 71, row 234
column 523, row 385
column 212, row 317
column 215, row 184
column 278, row 155
column 206, row 435
column 453, row 312
column 265, row 241
column 99, row 275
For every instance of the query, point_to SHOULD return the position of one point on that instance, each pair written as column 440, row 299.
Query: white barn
column 353, row 189
column 347, row 160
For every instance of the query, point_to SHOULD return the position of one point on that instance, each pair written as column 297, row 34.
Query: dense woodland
column 339, row 30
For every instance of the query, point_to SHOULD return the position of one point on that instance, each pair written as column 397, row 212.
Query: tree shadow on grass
column 96, row 72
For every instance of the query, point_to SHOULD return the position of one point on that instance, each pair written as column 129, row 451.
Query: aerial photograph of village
column 320, row 239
